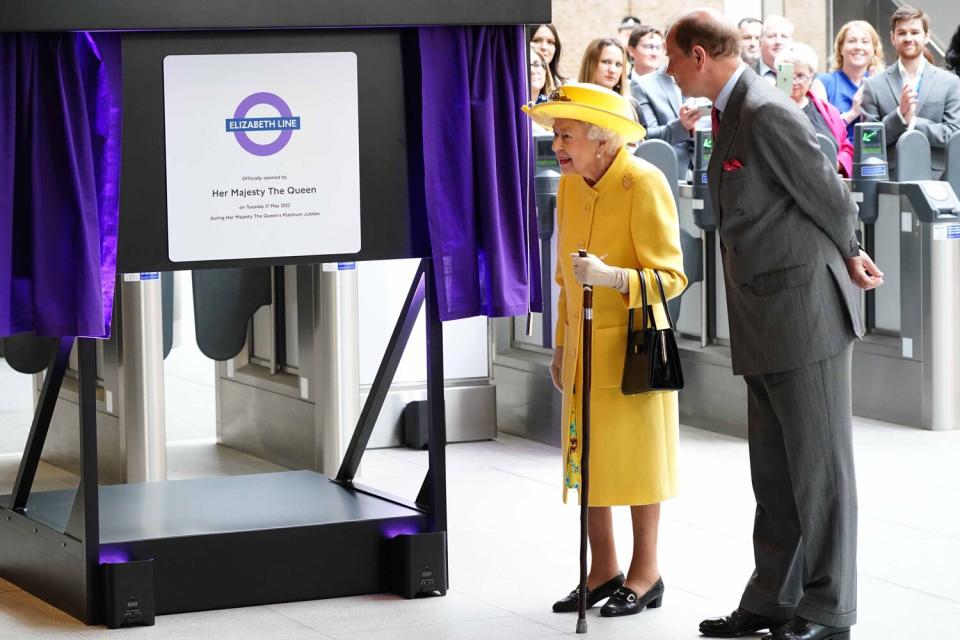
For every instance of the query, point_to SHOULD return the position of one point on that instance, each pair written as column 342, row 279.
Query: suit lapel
column 729, row 123
column 927, row 81
column 670, row 90
column 894, row 82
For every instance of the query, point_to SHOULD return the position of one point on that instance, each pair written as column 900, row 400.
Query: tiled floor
column 513, row 548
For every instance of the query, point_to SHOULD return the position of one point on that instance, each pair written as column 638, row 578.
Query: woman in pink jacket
column 824, row 117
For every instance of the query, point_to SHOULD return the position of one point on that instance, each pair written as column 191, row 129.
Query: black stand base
column 216, row 542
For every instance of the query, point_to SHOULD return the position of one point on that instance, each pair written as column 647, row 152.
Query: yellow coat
column 630, row 216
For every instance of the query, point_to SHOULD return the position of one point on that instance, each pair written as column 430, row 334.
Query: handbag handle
column 644, row 306
column 663, row 299
column 643, row 296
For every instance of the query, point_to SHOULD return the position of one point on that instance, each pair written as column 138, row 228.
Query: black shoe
column 626, row 602
column 569, row 604
column 738, row 624
column 800, row 629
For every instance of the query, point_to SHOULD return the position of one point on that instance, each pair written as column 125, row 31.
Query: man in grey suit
column 791, row 260
column 913, row 94
column 664, row 117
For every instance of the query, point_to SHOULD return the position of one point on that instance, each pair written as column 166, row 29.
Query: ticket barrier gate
column 907, row 368
column 292, row 372
column 130, row 411
column 712, row 398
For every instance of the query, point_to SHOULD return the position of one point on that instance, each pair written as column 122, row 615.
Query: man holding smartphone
column 913, row 94
column 777, row 36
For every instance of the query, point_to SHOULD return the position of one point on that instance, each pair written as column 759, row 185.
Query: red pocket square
column 732, row 165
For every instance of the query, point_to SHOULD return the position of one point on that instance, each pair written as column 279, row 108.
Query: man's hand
column 689, row 115
column 863, row 272
column 908, row 103
column 556, row 368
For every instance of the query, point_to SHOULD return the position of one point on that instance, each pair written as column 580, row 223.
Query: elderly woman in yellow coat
column 620, row 209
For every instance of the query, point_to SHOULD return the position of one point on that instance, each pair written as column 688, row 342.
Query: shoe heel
column 655, row 604
column 844, row 635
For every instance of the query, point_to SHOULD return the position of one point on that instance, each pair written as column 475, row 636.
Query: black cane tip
column 581, row 626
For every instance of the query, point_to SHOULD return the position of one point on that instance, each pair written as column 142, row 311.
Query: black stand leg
column 384, row 378
column 436, row 410
column 41, row 424
column 88, row 491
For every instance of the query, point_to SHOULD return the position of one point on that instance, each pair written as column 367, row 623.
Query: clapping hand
column 856, row 102
column 908, row 103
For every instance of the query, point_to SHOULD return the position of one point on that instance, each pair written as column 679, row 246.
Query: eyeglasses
column 801, row 77
column 651, row 47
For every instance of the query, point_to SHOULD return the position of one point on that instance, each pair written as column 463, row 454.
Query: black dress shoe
column 626, row 602
column 738, row 624
column 605, row 590
column 800, row 629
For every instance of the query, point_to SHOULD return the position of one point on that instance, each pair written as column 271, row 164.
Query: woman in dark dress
column 824, row 117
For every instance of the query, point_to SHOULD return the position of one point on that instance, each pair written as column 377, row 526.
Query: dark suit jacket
column 786, row 221
column 938, row 110
column 659, row 105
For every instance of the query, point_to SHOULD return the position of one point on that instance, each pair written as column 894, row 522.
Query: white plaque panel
column 262, row 155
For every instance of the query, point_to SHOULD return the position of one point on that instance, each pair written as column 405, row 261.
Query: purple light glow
column 114, row 556
column 395, row 529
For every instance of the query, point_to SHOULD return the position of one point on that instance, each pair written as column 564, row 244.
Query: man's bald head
column 708, row 28
column 703, row 50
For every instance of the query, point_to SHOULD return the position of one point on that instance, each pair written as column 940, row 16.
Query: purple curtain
column 478, row 166
column 59, row 175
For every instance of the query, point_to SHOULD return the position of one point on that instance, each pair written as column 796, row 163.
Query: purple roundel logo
column 286, row 123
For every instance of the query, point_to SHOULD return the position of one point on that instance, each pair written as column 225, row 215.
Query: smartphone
column 785, row 77
column 700, row 103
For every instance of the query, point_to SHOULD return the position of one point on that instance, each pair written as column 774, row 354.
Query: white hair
column 773, row 21
column 613, row 139
column 797, row 54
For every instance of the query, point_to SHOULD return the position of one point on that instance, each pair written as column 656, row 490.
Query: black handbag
column 652, row 362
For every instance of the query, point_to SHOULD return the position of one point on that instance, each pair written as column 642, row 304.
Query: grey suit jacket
column 938, row 111
column 786, row 221
column 659, row 106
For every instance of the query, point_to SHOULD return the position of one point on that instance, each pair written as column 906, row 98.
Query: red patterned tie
column 714, row 122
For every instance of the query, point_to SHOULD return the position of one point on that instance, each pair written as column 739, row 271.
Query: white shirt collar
column 721, row 102
column 920, row 69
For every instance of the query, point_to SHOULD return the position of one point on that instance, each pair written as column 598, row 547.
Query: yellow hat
column 589, row 103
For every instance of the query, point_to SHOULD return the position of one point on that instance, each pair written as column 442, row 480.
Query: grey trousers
column 801, row 462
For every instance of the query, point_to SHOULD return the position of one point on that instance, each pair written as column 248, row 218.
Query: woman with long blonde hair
column 605, row 63
column 857, row 54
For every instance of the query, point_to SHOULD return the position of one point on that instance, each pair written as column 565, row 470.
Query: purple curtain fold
column 478, row 171
column 59, row 176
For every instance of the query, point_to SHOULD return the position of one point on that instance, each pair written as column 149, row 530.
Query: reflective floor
column 513, row 547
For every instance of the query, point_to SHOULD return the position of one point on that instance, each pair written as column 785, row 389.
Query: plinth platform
column 216, row 542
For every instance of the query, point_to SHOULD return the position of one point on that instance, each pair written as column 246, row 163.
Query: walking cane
column 585, row 451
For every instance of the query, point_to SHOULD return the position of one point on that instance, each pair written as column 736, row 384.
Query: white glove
column 593, row 271
column 556, row 368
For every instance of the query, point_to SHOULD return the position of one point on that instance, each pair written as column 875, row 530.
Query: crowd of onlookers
column 911, row 93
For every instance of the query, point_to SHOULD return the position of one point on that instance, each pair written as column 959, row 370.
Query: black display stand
column 243, row 540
